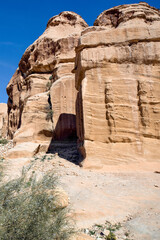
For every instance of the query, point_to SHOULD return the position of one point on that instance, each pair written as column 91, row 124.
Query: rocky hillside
column 95, row 85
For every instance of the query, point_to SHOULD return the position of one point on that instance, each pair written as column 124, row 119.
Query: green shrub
column 51, row 77
column 49, row 115
column 111, row 236
column 3, row 141
column 28, row 210
column 48, row 85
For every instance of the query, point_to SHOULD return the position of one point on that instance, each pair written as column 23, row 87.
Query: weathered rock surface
column 36, row 124
column 23, row 150
column 32, row 101
column 113, row 104
column 3, row 119
column 118, row 79
column 63, row 98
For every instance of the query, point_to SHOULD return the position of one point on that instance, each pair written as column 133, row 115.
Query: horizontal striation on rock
column 100, row 84
column 118, row 79
column 48, row 61
column 119, row 16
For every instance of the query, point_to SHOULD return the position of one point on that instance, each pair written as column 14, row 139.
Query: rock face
column 23, row 150
column 111, row 100
column 118, row 79
column 3, row 119
column 49, row 61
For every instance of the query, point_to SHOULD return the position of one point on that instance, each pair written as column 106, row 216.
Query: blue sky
column 22, row 22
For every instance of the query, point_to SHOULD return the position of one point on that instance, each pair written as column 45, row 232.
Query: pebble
column 106, row 232
column 61, row 165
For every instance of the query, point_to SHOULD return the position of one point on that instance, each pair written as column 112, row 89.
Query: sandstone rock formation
column 49, row 61
column 115, row 91
column 3, row 119
column 118, row 79
column 23, row 150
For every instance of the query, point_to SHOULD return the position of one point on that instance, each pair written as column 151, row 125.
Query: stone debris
column 5, row 148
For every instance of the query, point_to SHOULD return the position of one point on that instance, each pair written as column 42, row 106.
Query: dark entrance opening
column 64, row 140
column 66, row 128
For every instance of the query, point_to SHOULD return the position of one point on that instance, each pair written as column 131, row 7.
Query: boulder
column 23, row 150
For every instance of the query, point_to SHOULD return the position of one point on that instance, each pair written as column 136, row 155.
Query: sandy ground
column 126, row 194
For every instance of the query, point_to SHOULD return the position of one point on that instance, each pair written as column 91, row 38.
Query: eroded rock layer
column 118, row 79
column 42, row 91
column 113, row 103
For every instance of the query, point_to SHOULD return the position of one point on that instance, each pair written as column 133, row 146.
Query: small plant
column 91, row 232
column 51, row 77
column 111, row 236
column 98, row 226
column 43, row 158
column 49, row 112
column 28, row 210
column 126, row 234
column 104, row 231
column 49, row 115
column 48, row 85
column 3, row 141
column 117, row 226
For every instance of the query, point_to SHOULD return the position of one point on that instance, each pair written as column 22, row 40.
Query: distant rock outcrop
column 3, row 120
column 113, row 103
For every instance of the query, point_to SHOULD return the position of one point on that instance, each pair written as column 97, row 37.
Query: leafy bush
column 3, row 141
column 28, row 210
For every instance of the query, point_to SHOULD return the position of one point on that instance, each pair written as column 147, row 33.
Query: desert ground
column 128, row 195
